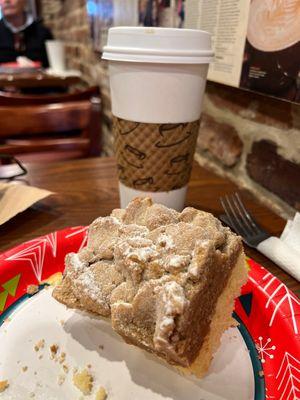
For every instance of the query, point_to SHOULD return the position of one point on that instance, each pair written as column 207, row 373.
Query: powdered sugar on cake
column 166, row 242
column 171, row 303
column 173, row 298
column 142, row 255
column 87, row 282
column 176, row 263
column 75, row 262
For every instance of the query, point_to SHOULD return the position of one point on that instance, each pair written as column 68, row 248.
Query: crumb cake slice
column 167, row 280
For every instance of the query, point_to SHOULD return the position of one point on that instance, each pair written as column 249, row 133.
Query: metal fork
column 241, row 221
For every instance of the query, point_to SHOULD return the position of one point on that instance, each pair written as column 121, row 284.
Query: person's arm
column 47, row 36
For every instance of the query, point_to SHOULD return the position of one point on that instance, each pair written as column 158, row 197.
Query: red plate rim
column 267, row 308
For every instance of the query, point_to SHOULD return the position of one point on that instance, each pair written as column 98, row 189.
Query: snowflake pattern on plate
column 275, row 321
column 265, row 348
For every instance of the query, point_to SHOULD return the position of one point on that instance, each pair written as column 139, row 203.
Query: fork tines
column 240, row 219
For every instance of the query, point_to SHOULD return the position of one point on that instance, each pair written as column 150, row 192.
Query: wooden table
column 37, row 79
column 86, row 189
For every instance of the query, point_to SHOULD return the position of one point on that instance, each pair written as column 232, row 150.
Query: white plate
column 126, row 372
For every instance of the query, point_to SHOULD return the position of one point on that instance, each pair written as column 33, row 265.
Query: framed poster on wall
column 256, row 43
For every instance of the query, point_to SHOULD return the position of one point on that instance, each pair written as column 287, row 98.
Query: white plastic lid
column 158, row 45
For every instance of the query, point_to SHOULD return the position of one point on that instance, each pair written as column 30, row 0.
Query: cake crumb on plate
column 54, row 348
column 25, row 368
column 39, row 345
column 101, row 394
column 3, row 385
column 61, row 379
column 83, row 381
column 65, row 368
column 32, row 289
column 62, row 357
column 53, row 351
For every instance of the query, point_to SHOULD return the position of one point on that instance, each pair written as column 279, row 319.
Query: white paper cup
column 56, row 55
column 157, row 75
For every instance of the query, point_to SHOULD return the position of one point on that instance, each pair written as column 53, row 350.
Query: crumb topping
column 177, row 263
column 87, row 281
column 76, row 262
column 165, row 241
column 141, row 267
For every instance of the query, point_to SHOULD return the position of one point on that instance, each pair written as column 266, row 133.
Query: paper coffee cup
column 56, row 55
column 157, row 81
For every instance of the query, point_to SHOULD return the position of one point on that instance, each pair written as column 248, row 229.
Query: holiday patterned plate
column 258, row 360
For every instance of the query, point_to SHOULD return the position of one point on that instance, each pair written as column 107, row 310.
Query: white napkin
column 64, row 74
column 25, row 62
column 285, row 251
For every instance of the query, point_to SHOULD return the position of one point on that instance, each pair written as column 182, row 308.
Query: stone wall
column 252, row 139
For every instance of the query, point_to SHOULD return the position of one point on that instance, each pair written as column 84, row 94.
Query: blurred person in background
column 21, row 34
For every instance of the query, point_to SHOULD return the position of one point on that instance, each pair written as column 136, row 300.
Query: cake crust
column 158, row 275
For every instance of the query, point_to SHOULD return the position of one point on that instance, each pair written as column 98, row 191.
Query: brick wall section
column 68, row 21
column 252, row 139
column 261, row 144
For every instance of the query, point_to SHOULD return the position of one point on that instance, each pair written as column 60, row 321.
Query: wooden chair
column 36, row 80
column 52, row 131
column 16, row 99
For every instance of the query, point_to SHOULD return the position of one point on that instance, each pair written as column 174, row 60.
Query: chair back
column 44, row 119
column 61, row 126
column 16, row 99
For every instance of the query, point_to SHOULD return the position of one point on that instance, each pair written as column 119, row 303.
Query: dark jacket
column 29, row 43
